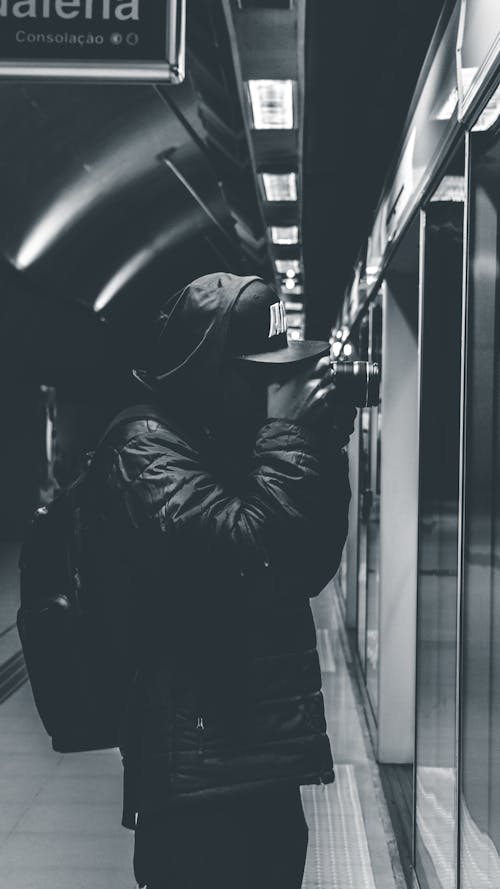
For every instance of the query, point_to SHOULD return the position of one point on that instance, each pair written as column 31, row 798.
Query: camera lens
column 358, row 382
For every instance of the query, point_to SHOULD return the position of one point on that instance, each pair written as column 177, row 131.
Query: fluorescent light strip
column 447, row 109
column 280, row 186
column 468, row 75
column 451, row 188
column 285, row 234
column 294, row 320
column 287, row 265
column 490, row 115
column 272, row 104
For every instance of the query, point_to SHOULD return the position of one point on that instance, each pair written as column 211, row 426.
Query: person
column 230, row 506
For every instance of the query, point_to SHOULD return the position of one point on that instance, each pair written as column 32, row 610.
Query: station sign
column 93, row 40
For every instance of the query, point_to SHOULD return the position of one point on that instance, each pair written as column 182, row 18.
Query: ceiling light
column 372, row 273
column 288, row 267
column 121, row 278
column 285, row 234
column 296, row 334
column 468, row 75
column 348, row 350
column 292, row 291
column 264, row 4
column 451, row 188
column 490, row 114
column 336, row 349
column 280, row 186
column 448, row 107
column 272, row 104
column 294, row 320
column 290, row 283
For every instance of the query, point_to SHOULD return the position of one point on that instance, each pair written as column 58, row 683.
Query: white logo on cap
column 278, row 319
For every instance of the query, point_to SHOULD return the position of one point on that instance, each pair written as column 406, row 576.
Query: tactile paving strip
column 338, row 855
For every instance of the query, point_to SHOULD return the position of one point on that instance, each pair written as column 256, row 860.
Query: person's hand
column 311, row 397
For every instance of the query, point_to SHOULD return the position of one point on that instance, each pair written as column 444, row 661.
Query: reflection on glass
column 435, row 846
column 480, row 803
column 436, row 787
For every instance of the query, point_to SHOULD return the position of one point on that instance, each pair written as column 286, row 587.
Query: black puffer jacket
column 228, row 694
column 221, row 554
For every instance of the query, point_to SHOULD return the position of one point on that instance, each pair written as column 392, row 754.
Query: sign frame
column 171, row 70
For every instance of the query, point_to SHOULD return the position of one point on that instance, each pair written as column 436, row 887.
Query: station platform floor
column 60, row 814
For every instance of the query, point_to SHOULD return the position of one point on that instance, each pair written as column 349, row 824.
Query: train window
column 480, row 742
column 438, row 541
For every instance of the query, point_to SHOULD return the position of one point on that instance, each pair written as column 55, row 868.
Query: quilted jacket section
column 222, row 565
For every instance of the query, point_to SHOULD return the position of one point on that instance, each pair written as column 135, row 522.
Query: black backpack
column 75, row 623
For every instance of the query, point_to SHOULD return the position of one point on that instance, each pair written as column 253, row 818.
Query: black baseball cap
column 258, row 329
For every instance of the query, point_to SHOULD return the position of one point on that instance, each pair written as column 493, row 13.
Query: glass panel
column 480, row 800
column 400, row 496
column 373, row 521
column 435, row 836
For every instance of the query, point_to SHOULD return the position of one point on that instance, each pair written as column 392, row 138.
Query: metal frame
column 421, row 270
column 461, row 508
column 171, row 70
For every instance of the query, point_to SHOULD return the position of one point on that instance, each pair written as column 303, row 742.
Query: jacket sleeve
column 291, row 516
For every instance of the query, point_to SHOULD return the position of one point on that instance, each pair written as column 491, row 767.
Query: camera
column 357, row 382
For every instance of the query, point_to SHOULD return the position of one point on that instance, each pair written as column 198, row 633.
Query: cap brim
column 297, row 350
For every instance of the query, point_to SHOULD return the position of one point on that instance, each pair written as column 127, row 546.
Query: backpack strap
column 132, row 413
column 128, row 415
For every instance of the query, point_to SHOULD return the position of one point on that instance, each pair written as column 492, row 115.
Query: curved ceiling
column 114, row 196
